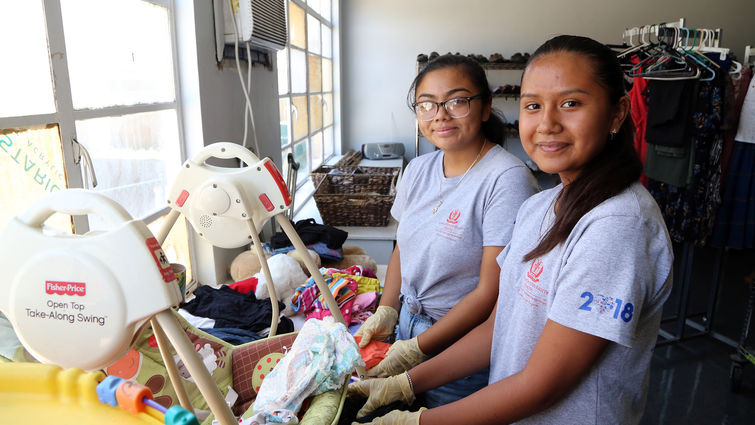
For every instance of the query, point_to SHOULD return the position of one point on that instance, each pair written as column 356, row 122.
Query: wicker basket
column 357, row 199
column 346, row 164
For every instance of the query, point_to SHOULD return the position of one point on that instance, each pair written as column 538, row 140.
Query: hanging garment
column 689, row 210
column 639, row 111
column 669, row 110
column 670, row 165
column 746, row 130
column 735, row 222
column 731, row 121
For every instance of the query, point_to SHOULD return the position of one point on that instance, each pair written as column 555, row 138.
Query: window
column 87, row 80
column 305, row 85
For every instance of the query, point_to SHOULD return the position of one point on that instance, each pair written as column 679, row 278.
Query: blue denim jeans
column 411, row 325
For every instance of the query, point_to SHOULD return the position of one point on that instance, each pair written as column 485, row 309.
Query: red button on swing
column 266, row 202
column 182, row 198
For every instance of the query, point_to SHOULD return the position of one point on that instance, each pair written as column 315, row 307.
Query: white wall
column 213, row 109
column 381, row 40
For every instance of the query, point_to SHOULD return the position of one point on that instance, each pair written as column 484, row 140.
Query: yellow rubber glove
column 397, row 417
column 378, row 326
column 402, row 356
column 382, row 392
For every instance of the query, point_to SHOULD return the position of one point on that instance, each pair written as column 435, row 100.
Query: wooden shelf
column 503, row 65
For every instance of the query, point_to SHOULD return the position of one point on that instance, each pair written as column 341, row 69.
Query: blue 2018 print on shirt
column 607, row 304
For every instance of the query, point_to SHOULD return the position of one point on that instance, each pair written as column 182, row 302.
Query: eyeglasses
column 457, row 107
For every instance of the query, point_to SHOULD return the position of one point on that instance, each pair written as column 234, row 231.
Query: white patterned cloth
column 321, row 358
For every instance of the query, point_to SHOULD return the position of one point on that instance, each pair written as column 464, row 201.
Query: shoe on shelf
column 497, row 58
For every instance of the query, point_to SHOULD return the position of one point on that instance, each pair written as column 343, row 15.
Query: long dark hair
column 493, row 128
column 611, row 171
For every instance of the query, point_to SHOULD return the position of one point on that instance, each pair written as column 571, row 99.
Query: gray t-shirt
column 441, row 253
column 609, row 278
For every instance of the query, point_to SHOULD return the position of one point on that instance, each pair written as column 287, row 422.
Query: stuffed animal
column 245, row 265
column 287, row 276
column 312, row 254
column 353, row 255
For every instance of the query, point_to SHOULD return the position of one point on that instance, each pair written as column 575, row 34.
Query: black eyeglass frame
column 443, row 104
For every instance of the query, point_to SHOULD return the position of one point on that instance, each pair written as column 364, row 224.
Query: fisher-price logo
column 536, row 269
column 66, row 288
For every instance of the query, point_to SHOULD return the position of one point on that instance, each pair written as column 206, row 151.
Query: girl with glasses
column 456, row 208
column 585, row 274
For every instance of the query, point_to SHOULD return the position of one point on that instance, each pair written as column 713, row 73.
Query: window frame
column 66, row 116
column 289, row 94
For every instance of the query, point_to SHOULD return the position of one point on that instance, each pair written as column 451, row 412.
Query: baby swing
column 81, row 301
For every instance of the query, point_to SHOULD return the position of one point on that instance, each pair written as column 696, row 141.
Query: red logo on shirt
column 536, row 269
column 453, row 217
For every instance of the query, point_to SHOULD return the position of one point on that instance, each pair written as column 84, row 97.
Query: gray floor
column 689, row 384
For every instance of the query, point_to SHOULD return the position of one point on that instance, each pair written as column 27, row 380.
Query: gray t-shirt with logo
column 609, row 278
column 441, row 253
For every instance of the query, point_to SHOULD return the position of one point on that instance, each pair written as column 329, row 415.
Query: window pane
column 298, row 71
column 316, row 146
column 300, row 156
column 325, row 9
column 119, row 55
column 327, row 75
column 135, row 158
column 315, row 5
column 299, row 117
column 284, row 167
column 327, row 109
column 328, row 142
column 176, row 246
column 315, row 73
column 285, row 120
column 327, row 42
column 297, row 35
column 282, row 62
column 25, row 79
column 31, row 166
column 313, row 34
column 315, row 112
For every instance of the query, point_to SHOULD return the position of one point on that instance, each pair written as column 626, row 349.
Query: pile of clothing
column 355, row 289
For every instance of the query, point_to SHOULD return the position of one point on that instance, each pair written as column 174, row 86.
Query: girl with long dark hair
column 583, row 279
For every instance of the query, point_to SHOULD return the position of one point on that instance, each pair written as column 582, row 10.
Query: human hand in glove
column 402, row 356
column 378, row 326
column 382, row 391
column 398, row 417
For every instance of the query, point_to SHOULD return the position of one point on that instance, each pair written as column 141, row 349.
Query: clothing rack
column 682, row 318
column 686, row 324
column 646, row 30
column 700, row 39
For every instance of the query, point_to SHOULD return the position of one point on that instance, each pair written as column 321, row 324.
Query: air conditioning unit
column 263, row 23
